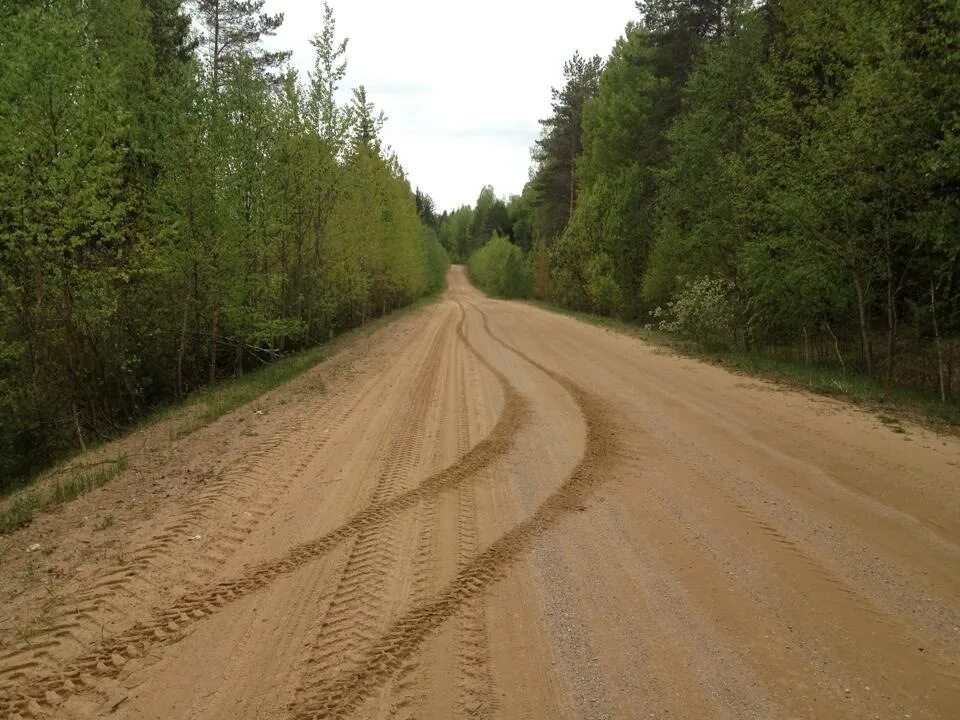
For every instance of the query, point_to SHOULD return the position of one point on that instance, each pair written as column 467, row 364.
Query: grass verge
column 72, row 479
column 206, row 405
column 78, row 481
column 890, row 403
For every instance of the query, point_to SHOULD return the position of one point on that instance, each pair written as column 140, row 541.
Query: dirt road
column 488, row 510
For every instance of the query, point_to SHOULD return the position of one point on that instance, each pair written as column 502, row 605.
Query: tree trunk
column 836, row 346
column 238, row 361
column 864, row 328
column 936, row 336
column 76, row 425
column 574, row 153
column 214, row 340
column 216, row 49
column 70, row 352
column 183, row 346
column 892, row 322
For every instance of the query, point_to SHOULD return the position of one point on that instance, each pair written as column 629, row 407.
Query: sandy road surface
column 488, row 510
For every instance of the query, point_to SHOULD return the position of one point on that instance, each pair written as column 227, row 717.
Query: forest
column 781, row 177
column 177, row 206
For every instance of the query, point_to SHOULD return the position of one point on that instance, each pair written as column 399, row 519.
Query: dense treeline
column 467, row 228
column 176, row 206
column 781, row 176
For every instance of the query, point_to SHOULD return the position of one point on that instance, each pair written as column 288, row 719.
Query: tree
column 329, row 69
column 366, row 122
column 489, row 216
column 171, row 37
column 705, row 206
column 520, row 216
column 69, row 225
column 555, row 153
column 802, row 155
column 426, row 209
column 455, row 233
column 693, row 18
column 168, row 218
column 232, row 30
column 500, row 268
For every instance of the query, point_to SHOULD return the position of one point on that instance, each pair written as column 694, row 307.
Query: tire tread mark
column 251, row 476
column 425, row 570
column 359, row 611
column 383, row 659
column 475, row 698
column 168, row 625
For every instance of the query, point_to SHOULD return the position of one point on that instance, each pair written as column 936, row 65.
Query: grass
column 859, row 389
column 196, row 411
column 30, row 501
column 891, row 403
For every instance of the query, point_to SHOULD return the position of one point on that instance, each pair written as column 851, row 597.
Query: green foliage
column 705, row 191
column 467, row 228
column 455, row 232
column 500, row 269
column 608, row 224
column 436, row 261
column 175, row 214
column 520, row 212
column 624, row 148
column 702, row 311
column 553, row 186
column 232, row 30
column 802, row 154
column 616, row 123
column 489, row 216
column 427, row 210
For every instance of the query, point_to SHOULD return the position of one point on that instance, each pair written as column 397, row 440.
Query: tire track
column 425, row 578
column 451, row 545
column 383, row 659
column 275, row 649
column 107, row 657
column 244, row 493
column 359, row 612
column 358, row 609
column 251, row 482
column 425, row 564
column 474, row 683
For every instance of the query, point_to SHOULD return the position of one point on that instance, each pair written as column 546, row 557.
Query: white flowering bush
column 702, row 311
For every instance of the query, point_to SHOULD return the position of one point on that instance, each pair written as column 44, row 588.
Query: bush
column 435, row 260
column 702, row 311
column 602, row 287
column 500, row 269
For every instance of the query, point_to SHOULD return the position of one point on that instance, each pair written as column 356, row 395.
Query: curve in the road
column 168, row 626
column 384, row 658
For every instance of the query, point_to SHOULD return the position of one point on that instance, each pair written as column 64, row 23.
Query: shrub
column 500, row 269
column 702, row 311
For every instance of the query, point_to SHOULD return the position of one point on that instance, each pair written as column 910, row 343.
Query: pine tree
column 233, row 29
column 366, row 121
column 555, row 153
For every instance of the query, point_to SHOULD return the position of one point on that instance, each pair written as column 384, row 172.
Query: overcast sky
column 462, row 84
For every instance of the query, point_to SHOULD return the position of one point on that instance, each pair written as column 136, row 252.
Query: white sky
column 462, row 84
